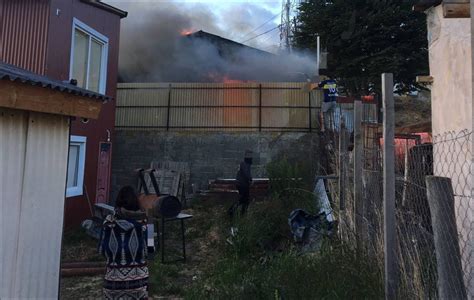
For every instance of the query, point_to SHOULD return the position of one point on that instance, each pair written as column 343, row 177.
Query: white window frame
column 93, row 34
column 80, row 141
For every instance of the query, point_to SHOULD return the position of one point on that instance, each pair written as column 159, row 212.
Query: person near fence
column 123, row 243
column 244, row 180
column 329, row 87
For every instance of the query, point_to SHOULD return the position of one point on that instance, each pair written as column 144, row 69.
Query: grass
column 263, row 263
column 77, row 246
column 335, row 273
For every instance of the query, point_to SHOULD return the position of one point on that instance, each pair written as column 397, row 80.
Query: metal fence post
column 390, row 245
column 448, row 256
column 169, row 108
column 342, row 165
column 358, row 153
column 260, row 108
column 310, row 117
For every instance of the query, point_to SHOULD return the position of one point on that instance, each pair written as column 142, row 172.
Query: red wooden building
column 64, row 40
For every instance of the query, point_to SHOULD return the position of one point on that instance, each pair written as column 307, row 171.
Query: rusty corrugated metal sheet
column 24, row 33
column 32, row 145
column 216, row 106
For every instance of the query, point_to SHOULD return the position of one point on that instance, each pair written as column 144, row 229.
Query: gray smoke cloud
column 153, row 48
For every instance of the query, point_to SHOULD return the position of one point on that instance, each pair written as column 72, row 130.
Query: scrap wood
column 82, row 264
column 180, row 167
column 82, row 272
column 71, row 269
column 168, row 182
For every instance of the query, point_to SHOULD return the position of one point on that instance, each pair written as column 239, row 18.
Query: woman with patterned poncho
column 123, row 243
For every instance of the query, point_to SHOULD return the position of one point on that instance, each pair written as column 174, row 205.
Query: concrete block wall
column 210, row 155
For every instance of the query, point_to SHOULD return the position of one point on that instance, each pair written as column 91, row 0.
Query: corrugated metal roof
column 12, row 73
column 107, row 7
column 425, row 4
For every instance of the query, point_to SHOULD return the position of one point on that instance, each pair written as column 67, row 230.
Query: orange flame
column 221, row 78
column 186, row 32
column 226, row 79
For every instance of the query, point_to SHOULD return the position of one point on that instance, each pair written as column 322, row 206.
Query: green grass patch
column 335, row 273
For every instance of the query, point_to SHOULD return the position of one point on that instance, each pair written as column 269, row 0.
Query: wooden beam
column 457, row 9
column 424, row 79
column 22, row 96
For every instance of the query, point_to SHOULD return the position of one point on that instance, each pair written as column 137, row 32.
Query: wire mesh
column 427, row 263
column 450, row 156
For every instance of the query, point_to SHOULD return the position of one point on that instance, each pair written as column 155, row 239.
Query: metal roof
column 107, row 7
column 221, row 42
column 423, row 5
column 12, row 73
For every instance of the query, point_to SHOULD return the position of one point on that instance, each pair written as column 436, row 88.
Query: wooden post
column 448, row 256
column 390, row 232
column 342, row 165
column 169, row 109
column 358, row 157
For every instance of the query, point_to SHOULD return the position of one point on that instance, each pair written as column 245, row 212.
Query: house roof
column 423, row 5
column 107, row 7
column 12, row 73
column 222, row 42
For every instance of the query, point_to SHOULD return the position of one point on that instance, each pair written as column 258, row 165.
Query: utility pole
column 285, row 27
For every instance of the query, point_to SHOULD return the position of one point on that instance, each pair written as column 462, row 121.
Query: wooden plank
column 175, row 186
column 456, row 10
column 448, row 255
column 22, row 96
column 456, row 1
column 424, row 79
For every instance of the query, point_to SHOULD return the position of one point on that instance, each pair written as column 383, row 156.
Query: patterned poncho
column 123, row 243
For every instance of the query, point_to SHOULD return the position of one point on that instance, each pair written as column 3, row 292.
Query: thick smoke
column 154, row 49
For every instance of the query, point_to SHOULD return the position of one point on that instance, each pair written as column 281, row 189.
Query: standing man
column 329, row 86
column 244, row 180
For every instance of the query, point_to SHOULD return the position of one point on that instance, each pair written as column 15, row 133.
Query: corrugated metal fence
column 217, row 106
column 220, row 107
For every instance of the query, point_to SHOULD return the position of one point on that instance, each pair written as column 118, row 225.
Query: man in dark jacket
column 244, row 180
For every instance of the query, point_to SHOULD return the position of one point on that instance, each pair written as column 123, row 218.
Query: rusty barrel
column 161, row 206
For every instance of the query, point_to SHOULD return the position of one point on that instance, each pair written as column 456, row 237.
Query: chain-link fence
column 434, row 186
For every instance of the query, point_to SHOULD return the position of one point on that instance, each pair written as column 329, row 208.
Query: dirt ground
column 410, row 111
column 167, row 281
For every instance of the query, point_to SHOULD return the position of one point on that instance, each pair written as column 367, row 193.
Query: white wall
column 33, row 163
column 451, row 68
column 452, row 118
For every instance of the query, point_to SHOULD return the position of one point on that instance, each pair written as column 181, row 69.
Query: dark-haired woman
column 123, row 243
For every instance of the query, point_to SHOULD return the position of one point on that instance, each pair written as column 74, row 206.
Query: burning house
column 228, row 53
column 204, row 57
column 168, row 48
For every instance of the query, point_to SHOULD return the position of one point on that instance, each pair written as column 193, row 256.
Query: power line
column 268, row 31
column 265, row 23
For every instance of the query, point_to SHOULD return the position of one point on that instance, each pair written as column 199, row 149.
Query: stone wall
column 210, row 155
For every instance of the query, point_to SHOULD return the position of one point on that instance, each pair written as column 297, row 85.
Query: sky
column 237, row 20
